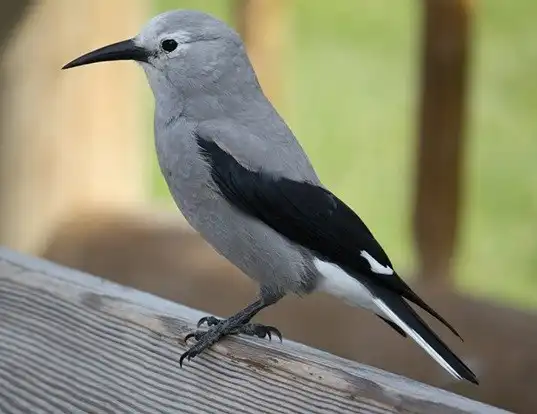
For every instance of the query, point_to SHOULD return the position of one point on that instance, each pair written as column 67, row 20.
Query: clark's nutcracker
column 244, row 183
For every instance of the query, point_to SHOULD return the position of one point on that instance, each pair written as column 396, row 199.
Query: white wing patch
column 376, row 266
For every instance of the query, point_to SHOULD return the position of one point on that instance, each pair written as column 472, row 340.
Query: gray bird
column 244, row 183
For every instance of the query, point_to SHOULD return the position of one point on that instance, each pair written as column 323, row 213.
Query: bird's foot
column 250, row 329
column 219, row 328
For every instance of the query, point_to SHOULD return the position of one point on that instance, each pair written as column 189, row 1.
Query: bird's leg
column 236, row 324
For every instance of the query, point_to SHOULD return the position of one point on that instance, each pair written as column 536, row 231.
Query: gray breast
column 257, row 250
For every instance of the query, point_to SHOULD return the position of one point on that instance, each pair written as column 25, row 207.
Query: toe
column 209, row 320
column 268, row 331
column 205, row 339
column 273, row 330
column 196, row 335
column 192, row 352
column 202, row 321
column 261, row 331
column 185, row 355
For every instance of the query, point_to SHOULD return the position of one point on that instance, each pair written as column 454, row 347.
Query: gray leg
column 236, row 324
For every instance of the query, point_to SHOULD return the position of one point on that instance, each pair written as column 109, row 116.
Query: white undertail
column 339, row 283
column 414, row 335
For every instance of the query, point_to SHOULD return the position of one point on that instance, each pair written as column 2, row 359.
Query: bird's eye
column 169, row 45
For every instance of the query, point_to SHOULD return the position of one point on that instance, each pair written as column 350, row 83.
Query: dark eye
column 169, row 45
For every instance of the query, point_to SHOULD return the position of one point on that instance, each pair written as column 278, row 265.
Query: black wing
column 308, row 215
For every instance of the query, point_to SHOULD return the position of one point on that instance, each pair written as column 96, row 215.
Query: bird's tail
column 401, row 313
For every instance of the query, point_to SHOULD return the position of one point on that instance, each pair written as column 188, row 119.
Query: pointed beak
column 125, row 50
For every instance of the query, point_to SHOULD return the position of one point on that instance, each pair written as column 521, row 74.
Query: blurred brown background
column 420, row 114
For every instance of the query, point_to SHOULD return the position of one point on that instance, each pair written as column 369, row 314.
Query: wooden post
column 263, row 27
column 441, row 138
column 11, row 12
column 70, row 141
column 76, row 343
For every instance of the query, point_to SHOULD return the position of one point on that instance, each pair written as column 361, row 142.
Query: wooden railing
column 71, row 342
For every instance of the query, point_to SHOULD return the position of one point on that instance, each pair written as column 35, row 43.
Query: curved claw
column 261, row 331
column 209, row 320
column 275, row 332
column 190, row 335
column 202, row 321
column 185, row 355
column 205, row 339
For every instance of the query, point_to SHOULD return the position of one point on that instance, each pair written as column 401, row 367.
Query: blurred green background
column 351, row 98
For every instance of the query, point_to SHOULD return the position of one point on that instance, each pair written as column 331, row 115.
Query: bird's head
column 183, row 50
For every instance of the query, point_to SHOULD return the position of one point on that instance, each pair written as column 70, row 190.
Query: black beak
column 125, row 50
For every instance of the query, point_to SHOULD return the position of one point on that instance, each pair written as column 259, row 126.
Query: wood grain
column 75, row 343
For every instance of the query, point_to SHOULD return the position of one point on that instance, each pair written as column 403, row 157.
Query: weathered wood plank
column 71, row 342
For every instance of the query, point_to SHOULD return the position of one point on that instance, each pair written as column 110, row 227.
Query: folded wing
column 311, row 216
